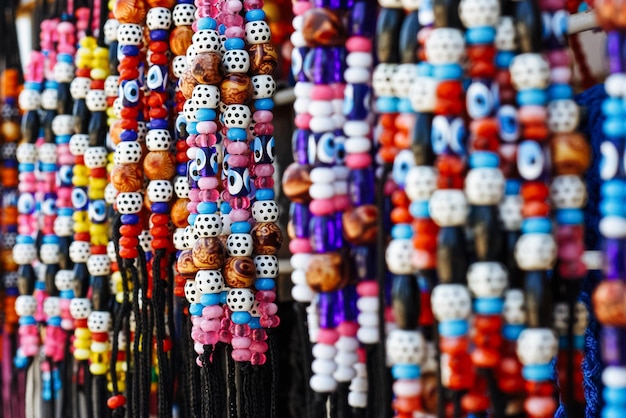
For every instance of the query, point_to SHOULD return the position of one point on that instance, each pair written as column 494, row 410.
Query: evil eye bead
column 237, row 116
column 129, row 202
column 530, row 71
column 240, row 300
column 531, row 160
column 508, row 124
column 448, row 135
column 129, row 34
column 127, row 153
column 156, row 80
column 131, row 93
column 402, row 164
column 322, row 148
column 450, row 302
column 96, row 157
column 205, row 96
column 479, row 100
column 239, row 245
column 159, row 140
column 80, row 199
column 265, row 211
column 264, row 149
column 208, row 225
column 160, row 191
column 264, row 86
column 238, row 181
column 258, row 32
column 159, row 18
column 445, row 46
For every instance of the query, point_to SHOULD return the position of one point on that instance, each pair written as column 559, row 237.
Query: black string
column 232, row 387
column 274, row 370
column 88, row 388
column 147, row 320
column 164, row 390
column 104, row 12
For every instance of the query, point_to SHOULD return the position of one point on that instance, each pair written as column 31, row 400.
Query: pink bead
column 358, row 44
column 532, row 114
column 209, row 195
column 241, row 342
column 264, row 170
column 300, row 245
column 239, row 215
column 194, row 195
column 358, row 161
column 207, row 127
column 265, row 296
column 232, row 20
column 225, row 336
column 558, row 58
column 237, row 147
column 259, row 334
column 258, row 346
column 264, row 128
column 299, row 7
column 198, row 348
column 551, row 5
column 327, row 336
column 241, row 330
column 235, row 32
column 302, row 121
column 561, row 75
column 258, row 359
column 388, row 314
column 209, row 325
column 211, row 312
column 198, row 359
column 234, row 6
column 367, row 288
column 268, row 309
column 253, row 4
column 322, row 207
column 348, row 328
column 338, row 89
column 207, row 183
column 192, row 207
column 191, row 140
column 235, row 160
column 263, row 116
column 342, row 202
column 241, row 355
column 322, row 92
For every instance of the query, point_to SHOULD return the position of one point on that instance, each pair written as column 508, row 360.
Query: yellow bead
column 98, row 347
column 82, row 344
column 98, row 183
column 98, row 369
column 80, row 170
column 121, row 366
column 101, row 53
column 98, row 74
column 119, row 297
column 111, row 113
column 80, row 181
column 116, row 276
column 82, row 333
column 81, row 354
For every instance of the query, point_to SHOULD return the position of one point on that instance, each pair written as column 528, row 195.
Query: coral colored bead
column 399, row 198
column 534, row 191
column 386, row 138
column 539, row 388
column 116, row 401
column 454, row 345
column 449, row 89
column 488, row 323
column 448, row 182
column 449, row 107
column 535, row 132
column 406, row 404
column 475, row 402
column 426, row 242
column 540, row 407
column 535, row 209
column 388, row 154
column 126, row 252
column 484, row 357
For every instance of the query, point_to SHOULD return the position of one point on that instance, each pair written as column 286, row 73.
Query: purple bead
column 300, row 219
column 615, row 258
column 361, row 187
column 159, row 35
column 298, row 56
column 328, row 309
column 299, row 144
column 364, row 262
column 362, row 19
column 349, row 302
column 613, row 51
column 356, row 106
column 318, row 65
column 323, row 234
column 329, row 4
column 338, row 54
column 339, row 242
column 613, row 346
column 181, row 169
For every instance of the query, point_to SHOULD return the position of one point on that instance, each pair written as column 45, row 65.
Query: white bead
column 63, row 125
column 367, row 335
column 345, row 343
column 26, row 153
column 477, row 13
column 614, row 376
column 79, row 87
column 405, row 76
column 398, row 256
column 514, row 311
column 110, row 30
column 99, row 321
column 430, row 363
column 536, row 251
column 49, row 99
column 111, row 85
column 321, row 191
column 51, row 306
column 110, row 194
column 451, row 302
column 24, row 253
column 265, row 211
column 191, row 292
column 506, row 38
column 96, row 157
column 581, row 318
column 258, row 32
column 357, row 75
column 49, row 253
column 382, row 79
column 64, row 279
column 344, row 373
column 368, row 319
column 420, row 183
column 390, row 4
column 322, row 124
column 530, row 71
column 359, row 59
column 160, row 191
column 129, row 34
column 300, row 261
column 484, row 186
column 322, row 175
column 405, row 347
column 237, row 116
column 178, row 239
column 79, row 251
column 264, row 86
column 302, row 294
column 183, row 14
column 448, row 207
column 181, row 187
column 357, row 128
column 407, row 388
column 321, row 366
column 324, row 351
column 206, row 40
column 47, row 153
column 127, row 152
column 613, row 227
column 240, row 300
column 96, row 101
column 209, row 281
column 320, row 108
column 487, row 279
column 301, row 105
column 239, row 245
column 536, row 346
column 358, row 384
column 29, row 100
column 411, row 5
column 129, row 202
column 563, row 116
column 298, row 277
column 510, row 210
column 560, row 318
column 159, row 18
column 208, row 225
column 357, row 399
column 445, row 46
column 367, row 304
column 159, row 140
column 80, row 308
column 236, row 61
column 568, row 191
column 346, row 358
column 266, row 266
column 25, row 305
column 357, row 145
column 322, row 383
column 615, row 85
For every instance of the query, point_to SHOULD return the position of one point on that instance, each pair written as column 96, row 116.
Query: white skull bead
column 530, row 71
column 398, row 256
column 478, row 13
column 382, row 79
column 563, row 116
column 445, row 46
column 405, row 347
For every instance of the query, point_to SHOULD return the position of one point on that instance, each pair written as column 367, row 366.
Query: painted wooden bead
column 240, row 300
column 264, row 86
column 207, row 68
column 420, row 183
column 484, row 186
column 536, row 346
column 209, row 281
column 445, row 46
column 322, row 27
column 608, row 302
column 487, row 279
column 296, row 183
column 236, row 89
column 208, row 253
column 450, row 302
column 159, row 18
column 267, row 238
column 570, row 153
column 127, row 177
column 536, row 251
column 239, row 272
column 181, row 187
column 206, row 40
column 208, row 225
column 263, row 59
column 159, row 164
column 129, row 34
column 130, row 11
column 99, row 321
column 111, row 84
column 360, row 224
column 181, row 38
column 448, row 207
column 530, row 71
column 325, row 273
column 185, row 264
column 405, row 347
column 190, row 236
column 206, row 96
column 183, row 14
column 568, row 191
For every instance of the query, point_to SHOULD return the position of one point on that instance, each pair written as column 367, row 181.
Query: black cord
column 274, row 370
column 164, row 391
column 232, row 386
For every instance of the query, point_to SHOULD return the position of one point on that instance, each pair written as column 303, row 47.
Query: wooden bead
column 267, row 238
column 208, row 253
column 570, row 153
column 430, row 393
column 263, row 59
column 206, row 68
column 180, row 213
column 185, row 264
column 236, row 89
column 159, row 165
column 130, row 11
column 325, row 272
column 127, row 177
column 608, row 301
column 168, row 4
column 180, row 39
column 239, row 272
column 10, row 131
column 187, row 82
column 296, row 183
column 360, row 225
column 323, row 27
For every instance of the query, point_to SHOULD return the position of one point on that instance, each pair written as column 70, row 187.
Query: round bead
column 240, row 300
column 405, row 347
column 487, row 279
column 129, row 34
column 530, row 71
column 209, row 281
column 265, row 211
column 445, row 46
column 568, row 191
column 257, row 32
column 208, row 225
column 99, row 321
column 514, row 310
column 80, row 308
column 205, row 96
column 129, row 202
column 535, row 251
column 450, row 302
column 159, row 18
column 160, row 191
column 191, row 292
column 448, row 207
column 239, row 245
column 158, row 140
column 127, row 153
column 96, row 157
column 536, row 346
column 484, row 186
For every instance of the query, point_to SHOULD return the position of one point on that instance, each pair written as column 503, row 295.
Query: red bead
column 126, row 252
column 100, row 172
column 130, row 230
column 160, row 219
column 129, row 242
column 160, row 243
column 82, row 236
column 159, row 231
column 116, row 401
column 543, row 388
column 100, row 337
column 98, row 249
column 475, row 402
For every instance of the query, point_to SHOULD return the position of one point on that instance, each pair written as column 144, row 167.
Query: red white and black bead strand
column 535, row 251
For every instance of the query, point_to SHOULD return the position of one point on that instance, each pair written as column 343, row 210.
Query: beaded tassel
column 535, row 251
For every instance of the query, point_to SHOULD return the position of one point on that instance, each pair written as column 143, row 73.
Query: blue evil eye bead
column 193, row 173
column 130, row 93
column 403, row 162
column 238, row 181
column 79, row 199
column 26, row 204
column 340, row 148
column 156, row 80
column 48, row 206
column 480, row 100
column 448, row 135
column 264, row 149
column 97, row 211
column 531, row 160
column 508, row 123
column 610, row 160
column 65, row 175
column 321, row 148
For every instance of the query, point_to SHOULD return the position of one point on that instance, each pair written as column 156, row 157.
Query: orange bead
column 402, row 140
column 386, row 138
column 426, row 242
column 388, row 120
column 449, row 89
column 450, row 165
column 535, row 132
column 388, row 154
column 535, row 208
column 401, row 215
column 454, row 345
column 485, row 357
column 405, row 121
column 444, row 182
column 160, row 231
column 449, row 107
column 159, row 165
column 543, row 388
column 540, row 407
column 534, row 191
column 425, row 226
column 488, row 323
column 475, row 402
column 406, row 404
column 399, row 198
column 160, row 243
column 126, row 252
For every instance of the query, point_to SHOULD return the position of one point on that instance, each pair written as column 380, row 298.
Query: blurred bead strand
column 264, row 209
column 358, row 222
column 608, row 303
column 535, row 251
column 450, row 300
column 571, row 157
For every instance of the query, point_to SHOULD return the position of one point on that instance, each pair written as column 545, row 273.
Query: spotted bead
column 240, row 300
column 129, row 202
column 208, row 225
column 209, row 281
column 96, row 157
column 160, row 191
column 159, row 18
column 239, row 245
column 451, row 302
column 129, row 34
column 128, row 152
column 265, row 211
column 258, row 32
